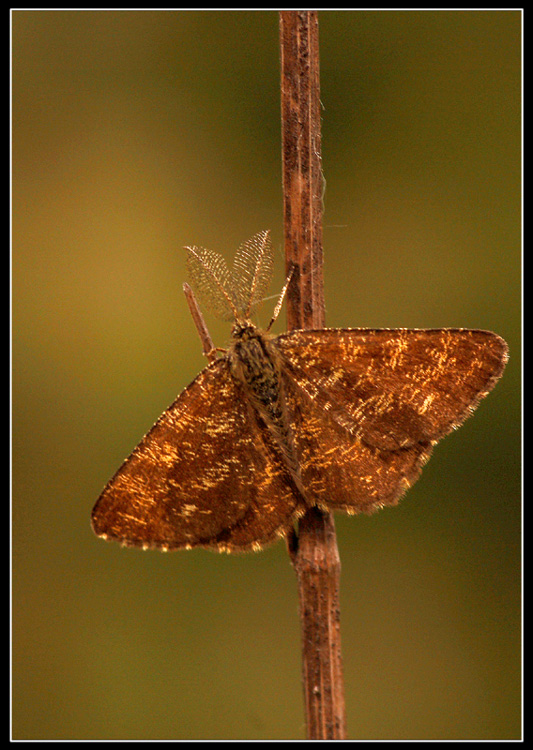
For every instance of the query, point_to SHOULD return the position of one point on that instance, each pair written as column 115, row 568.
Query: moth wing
column 338, row 470
column 205, row 475
column 367, row 406
column 395, row 388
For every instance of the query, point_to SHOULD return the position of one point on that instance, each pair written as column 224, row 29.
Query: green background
column 135, row 133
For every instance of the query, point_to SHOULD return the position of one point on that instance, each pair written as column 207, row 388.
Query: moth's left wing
column 207, row 474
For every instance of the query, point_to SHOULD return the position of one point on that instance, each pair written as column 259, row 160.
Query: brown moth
column 343, row 419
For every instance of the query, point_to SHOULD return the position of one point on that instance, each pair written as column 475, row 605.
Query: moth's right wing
column 367, row 405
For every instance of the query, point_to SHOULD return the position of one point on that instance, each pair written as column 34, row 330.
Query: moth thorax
column 253, row 364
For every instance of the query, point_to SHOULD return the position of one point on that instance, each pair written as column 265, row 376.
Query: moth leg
column 280, row 300
column 208, row 347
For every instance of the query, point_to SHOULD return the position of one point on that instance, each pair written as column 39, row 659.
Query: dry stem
column 313, row 551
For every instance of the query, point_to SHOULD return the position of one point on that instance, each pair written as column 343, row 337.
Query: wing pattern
column 207, row 474
column 368, row 405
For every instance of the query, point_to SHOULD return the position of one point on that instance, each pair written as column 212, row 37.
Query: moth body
column 255, row 364
column 343, row 419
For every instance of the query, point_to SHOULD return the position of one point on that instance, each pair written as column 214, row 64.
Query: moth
column 343, row 419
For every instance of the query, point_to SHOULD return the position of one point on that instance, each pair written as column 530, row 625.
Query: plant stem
column 313, row 550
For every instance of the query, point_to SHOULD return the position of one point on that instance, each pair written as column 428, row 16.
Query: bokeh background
column 135, row 133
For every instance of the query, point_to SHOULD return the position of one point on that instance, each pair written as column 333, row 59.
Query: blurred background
column 135, row 133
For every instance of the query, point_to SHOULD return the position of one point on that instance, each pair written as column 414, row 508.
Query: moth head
column 243, row 330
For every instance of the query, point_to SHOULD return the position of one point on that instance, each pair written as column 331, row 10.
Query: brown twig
column 313, row 551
